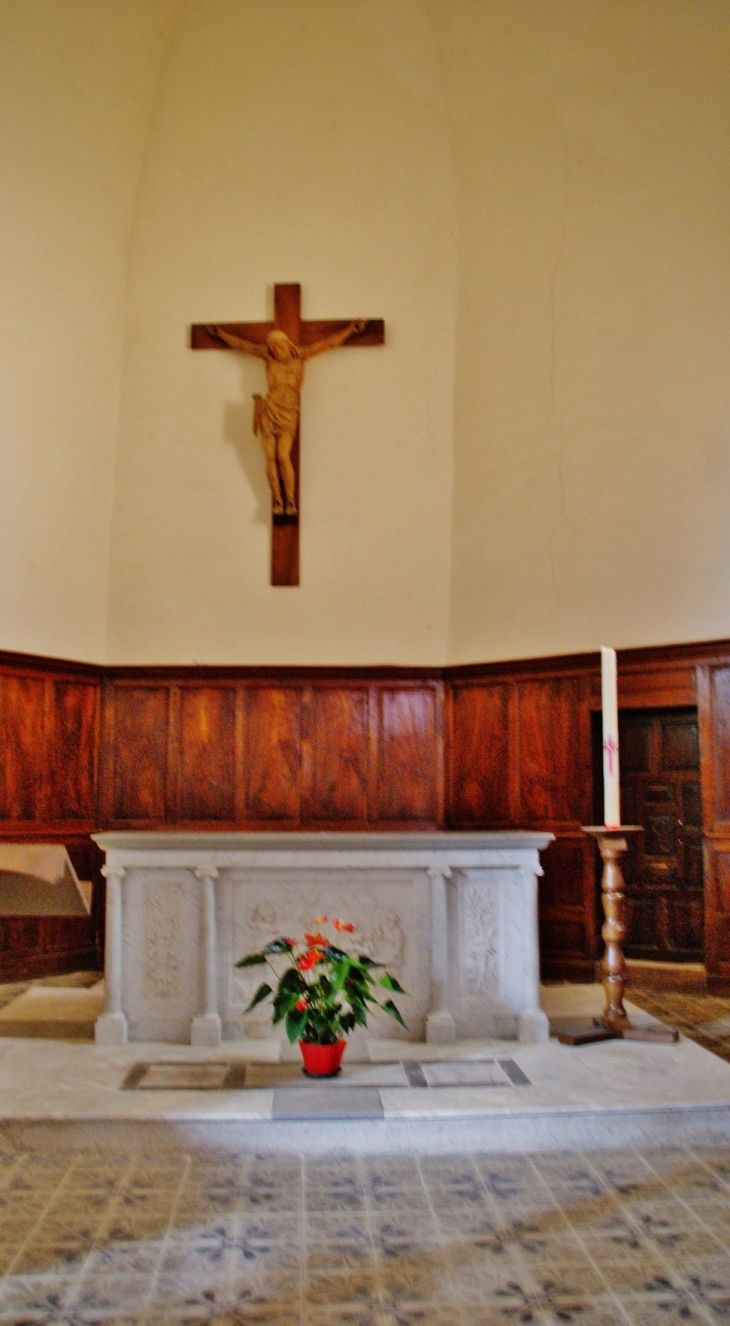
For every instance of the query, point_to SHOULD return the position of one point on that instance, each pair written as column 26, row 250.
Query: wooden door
column 660, row 789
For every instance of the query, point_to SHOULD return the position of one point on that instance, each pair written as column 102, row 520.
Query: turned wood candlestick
column 612, row 843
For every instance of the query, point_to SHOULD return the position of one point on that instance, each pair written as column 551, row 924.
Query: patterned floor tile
column 386, row 1241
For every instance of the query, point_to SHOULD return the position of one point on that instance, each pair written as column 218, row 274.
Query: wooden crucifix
column 284, row 344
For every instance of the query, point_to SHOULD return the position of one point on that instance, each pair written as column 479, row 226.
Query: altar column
column 534, row 1025
column 205, row 1029
column 111, row 1026
column 440, row 1024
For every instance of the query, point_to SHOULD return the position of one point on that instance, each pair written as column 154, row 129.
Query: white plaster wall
column 591, row 145
column 291, row 142
column 565, row 364
column 76, row 81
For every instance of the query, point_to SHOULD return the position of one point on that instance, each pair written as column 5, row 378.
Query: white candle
column 609, row 704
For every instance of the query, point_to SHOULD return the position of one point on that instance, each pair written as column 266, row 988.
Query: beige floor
column 53, row 1012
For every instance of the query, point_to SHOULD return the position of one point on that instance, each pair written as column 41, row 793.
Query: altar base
column 452, row 915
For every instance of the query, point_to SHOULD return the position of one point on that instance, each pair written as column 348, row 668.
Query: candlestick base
column 612, row 843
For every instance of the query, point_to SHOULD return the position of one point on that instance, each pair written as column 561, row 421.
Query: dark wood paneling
column 272, row 760
column 23, row 782
column 206, row 765
column 338, row 736
column 49, row 740
column 549, row 750
column 716, row 731
column 410, row 763
column 567, row 907
column 566, row 863
column 479, row 755
column 291, row 747
column 73, row 750
column 135, row 790
column 717, row 913
column 32, row 946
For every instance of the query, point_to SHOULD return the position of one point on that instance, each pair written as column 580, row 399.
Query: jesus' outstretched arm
column 237, row 342
column 332, row 342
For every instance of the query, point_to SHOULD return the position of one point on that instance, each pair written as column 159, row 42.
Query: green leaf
column 292, row 980
column 332, row 951
column 365, row 961
column 284, row 1002
column 391, row 983
column 340, row 972
column 389, row 1007
column 295, row 1024
column 252, row 960
column 261, row 993
column 277, row 946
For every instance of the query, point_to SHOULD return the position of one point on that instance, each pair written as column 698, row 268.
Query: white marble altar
column 452, row 915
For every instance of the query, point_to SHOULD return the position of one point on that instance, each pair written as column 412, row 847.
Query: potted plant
column 322, row 993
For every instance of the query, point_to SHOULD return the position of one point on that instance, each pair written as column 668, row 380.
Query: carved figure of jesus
column 276, row 415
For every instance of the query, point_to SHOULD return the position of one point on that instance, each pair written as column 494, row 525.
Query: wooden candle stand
column 614, row 1024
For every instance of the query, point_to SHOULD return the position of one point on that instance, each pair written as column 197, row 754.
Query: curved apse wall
column 566, row 371
column 291, row 142
column 77, row 78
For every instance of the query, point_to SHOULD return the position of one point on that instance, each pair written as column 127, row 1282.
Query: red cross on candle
column 611, row 748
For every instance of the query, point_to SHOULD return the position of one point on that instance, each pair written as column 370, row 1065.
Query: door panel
column 660, row 789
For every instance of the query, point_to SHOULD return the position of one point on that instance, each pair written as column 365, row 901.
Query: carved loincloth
column 278, row 417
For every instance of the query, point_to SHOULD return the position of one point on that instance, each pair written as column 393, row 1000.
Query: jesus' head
column 280, row 346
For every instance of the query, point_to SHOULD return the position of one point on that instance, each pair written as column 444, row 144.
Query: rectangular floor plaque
column 231, row 1074
column 176, row 1076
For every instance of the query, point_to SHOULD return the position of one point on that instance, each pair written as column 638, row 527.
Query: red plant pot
column 322, row 1060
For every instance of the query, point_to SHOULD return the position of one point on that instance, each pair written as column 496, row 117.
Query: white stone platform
column 620, row 1093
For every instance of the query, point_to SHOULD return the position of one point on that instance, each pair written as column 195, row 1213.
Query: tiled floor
column 396, row 1241
column 704, row 1018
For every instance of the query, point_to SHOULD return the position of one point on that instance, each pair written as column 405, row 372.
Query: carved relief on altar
column 163, row 940
column 480, row 937
column 390, row 920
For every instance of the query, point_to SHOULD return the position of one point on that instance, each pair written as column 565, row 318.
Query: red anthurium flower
column 301, row 1004
column 316, row 941
column 291, row 942
column 343, row 925
column 309, row 959
column 320, row 920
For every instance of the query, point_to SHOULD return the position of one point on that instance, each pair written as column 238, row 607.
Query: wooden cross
column 287, row 318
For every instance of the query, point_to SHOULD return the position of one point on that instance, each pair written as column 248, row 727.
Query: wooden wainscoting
column 273, row 749
column 518, row 743
column 713, row 686
column 49, row 759
column 492, row 746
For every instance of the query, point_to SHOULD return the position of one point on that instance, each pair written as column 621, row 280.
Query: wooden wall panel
column 272, row 758
column 49, row 740
column 206, row 759
column 135, row 790
column 717, row 914
column 479, row 754
column 519, row 753
column 357, row 748
column 338, row 737
column 713, row 698
column 568, row 898
column 73, row 742
column 409, row 756
column 23, row 790
column 550, row 759
column 32, row 946
column 715, row 730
